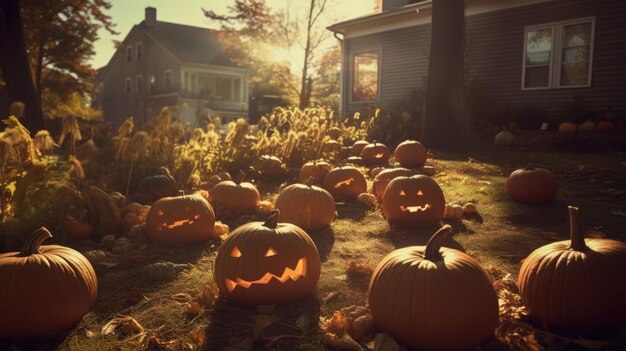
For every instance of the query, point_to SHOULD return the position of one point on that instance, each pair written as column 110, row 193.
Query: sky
column 126, row 13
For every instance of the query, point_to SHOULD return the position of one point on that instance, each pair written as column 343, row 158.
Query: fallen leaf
column 156, row 343
column 122, row 324
column 331, row 295
column 198, row 337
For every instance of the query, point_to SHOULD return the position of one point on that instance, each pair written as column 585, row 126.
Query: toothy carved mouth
column 344, row 182
column 413, row 209
column 289, row 273
column 179, row 223
column 379, row 155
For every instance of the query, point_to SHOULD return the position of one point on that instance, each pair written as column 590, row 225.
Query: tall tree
column 288, row 28
column 446, row 123
column 313, row 39
column 14, row 64
column 60, row 35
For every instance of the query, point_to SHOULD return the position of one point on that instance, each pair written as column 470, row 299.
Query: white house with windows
column 524, row 55
column 167, row 64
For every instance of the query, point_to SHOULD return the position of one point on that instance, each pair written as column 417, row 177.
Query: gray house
column 540, row 55
column 165, row 64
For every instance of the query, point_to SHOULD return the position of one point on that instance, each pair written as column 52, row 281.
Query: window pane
column 365, row 87
column 575, row 73
column 538, row 46
column 577, row 54
column 224, row 89
column 537, row 77
column 577, row 34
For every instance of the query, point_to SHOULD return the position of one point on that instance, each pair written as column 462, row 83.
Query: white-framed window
column 152, row 83
column 366, row 76
column 139, row 83
column 139, row 50
column 128, row 85
column 167, row 79
column 129, row 53
column 558, row 55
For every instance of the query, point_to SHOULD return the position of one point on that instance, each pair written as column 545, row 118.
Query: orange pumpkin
column 375, row 154
column 78, row 228
column 382, row 179
column 567, row 127
column 433, row 297
column 183, row 219
column 237, row 197
column 267, row 263
column 357, row 147
column 345, row 183
column 306, row 205
column 605, row 126
column 576, row 285
column 315, row 169
column 410, row 153
column 45, row 289
column 415, row 202
column 532, row 185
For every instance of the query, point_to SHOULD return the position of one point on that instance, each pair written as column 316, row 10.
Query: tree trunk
column 446, row 123
column 15, row 65
column 303, row 101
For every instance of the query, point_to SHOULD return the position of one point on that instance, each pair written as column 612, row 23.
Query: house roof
column 341, row 27
column 187, row 43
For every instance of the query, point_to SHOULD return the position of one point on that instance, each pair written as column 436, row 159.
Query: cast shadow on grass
column 352, row 210
column 324, row 240
column 289, row 326
column 36, row 345
column 403, row 237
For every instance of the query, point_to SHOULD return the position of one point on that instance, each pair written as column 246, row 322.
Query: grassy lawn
column 181, row 312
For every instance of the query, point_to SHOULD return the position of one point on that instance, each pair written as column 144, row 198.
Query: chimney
column 151, row 16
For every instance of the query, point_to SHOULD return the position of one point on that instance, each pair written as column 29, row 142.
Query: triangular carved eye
column 270, row 252
column 419, row 193
column 235, row 252
column 160, row 213
column 402, row 193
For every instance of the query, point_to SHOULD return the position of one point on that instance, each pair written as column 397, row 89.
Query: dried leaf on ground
column 343, row 343
column 358, row 271
column 197, row 337
column 122, row 324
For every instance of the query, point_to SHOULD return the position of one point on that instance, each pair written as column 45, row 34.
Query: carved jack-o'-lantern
column 267, row 263
column 375, row 154
column 183, row 219
column 345, row 183
column 413, row 201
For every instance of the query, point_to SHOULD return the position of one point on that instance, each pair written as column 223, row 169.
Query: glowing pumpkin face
column 345, row 183
column 177, row 220
column 413, row 201
column 375, row 154
column 267, row 263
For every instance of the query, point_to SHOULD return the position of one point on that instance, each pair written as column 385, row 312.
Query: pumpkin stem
column 240, row 177
column 436, row 241
column 272, row 221
column 576, row 236
column 309, row 182
column 34, row 241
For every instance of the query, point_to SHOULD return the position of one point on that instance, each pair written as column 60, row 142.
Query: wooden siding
column 117, row 105
column 393, row 4
column 494, row 58
column 403, row 63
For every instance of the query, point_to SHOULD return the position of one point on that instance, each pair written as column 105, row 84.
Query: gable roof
column 187, row 43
